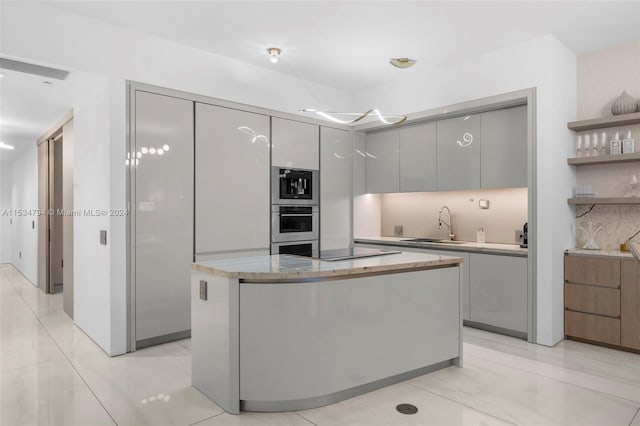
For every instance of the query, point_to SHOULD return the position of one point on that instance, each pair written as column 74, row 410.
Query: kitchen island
column 283, row 333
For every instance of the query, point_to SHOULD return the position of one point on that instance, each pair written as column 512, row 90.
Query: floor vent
column 10, row 64
column 406, row 408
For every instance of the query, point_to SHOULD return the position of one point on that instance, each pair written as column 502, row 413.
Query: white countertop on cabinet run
column 465, row 246
column 600, row 253
column 288, row 267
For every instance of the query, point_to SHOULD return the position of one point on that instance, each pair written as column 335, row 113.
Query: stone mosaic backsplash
column 619, row 223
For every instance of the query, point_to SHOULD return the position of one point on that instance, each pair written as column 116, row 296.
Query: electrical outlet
column 398, row 230
column 519, row 236
column 203, row 290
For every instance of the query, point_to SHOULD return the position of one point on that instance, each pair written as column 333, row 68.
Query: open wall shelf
column 602, row 200
column 604, row 159
column 601, row 123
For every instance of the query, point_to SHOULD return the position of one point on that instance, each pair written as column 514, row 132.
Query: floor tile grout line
column 304, row 418
column 460, row 403
column 561, row 381
column 207, row 418
column 65, row 355
column 634, row 417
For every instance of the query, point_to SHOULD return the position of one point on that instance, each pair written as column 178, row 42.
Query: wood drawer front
column 592, row 327
column 591, row 299
column 592, row 270
column 630, row 309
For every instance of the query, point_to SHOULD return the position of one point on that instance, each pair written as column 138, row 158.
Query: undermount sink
column 432, row 240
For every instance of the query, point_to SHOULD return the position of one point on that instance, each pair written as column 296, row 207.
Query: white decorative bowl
column 625, row 104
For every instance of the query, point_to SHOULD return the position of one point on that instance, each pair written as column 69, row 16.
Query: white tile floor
column 51, row 373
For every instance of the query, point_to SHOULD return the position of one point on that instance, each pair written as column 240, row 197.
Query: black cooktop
column 352, row 253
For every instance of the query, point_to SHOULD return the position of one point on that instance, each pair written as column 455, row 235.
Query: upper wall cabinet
column 504, row 148
column 232, row 180
column 294, row 144
column 418, row 162
column 382, row 162
column 335, row 204
column 459, row 153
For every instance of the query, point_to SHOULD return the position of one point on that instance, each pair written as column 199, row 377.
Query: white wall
column 24, row 196
column 118, row 54
column 6, row 172
column 547, row 65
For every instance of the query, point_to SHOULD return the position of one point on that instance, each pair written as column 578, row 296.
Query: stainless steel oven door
column 294, row 223
column 294, row 186
column 298, row 248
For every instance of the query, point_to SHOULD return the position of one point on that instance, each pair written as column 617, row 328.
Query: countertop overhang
column 298, row 268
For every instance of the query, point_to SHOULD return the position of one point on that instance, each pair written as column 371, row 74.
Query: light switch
column 484, row 204
column 203, row 290
column 103, row 237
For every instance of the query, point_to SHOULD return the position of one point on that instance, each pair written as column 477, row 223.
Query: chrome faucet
column 449, row 223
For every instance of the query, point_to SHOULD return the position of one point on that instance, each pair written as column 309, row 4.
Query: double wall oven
column 295, row 211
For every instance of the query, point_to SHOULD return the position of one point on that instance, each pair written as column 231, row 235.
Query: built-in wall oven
column 295, row 213
column 294, row 186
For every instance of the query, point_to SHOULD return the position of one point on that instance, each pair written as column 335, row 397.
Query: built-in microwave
column 294, row 186
column 294, row 223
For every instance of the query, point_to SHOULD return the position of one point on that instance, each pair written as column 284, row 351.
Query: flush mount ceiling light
column 274, row 54
column 5, row 146
column 333, row 116
column 402, row 62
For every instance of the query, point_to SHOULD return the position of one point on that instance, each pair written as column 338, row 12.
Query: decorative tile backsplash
column 619, row 223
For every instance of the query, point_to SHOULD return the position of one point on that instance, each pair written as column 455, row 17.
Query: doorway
column 55, row 219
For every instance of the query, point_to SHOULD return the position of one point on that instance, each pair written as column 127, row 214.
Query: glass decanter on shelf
column 633, row 184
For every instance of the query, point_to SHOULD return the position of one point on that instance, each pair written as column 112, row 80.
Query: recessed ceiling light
column 402, row 62
column 274, row 54
column 5, row 146
column 46, row 82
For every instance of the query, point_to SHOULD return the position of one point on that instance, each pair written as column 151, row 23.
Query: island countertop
column 291, row 268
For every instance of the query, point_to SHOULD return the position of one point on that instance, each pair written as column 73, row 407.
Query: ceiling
column 345, row 44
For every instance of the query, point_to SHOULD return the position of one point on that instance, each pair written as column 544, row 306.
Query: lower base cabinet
column 498, row 291
column 602, row 300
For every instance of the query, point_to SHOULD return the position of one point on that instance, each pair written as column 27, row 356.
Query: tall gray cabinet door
column 418, row 158
column 232, row 180
column 163, row 216
column 504, row 148
column 459, row 153
column 335, row 184
column 295, row 144
column 498, row 291
column 382, row 162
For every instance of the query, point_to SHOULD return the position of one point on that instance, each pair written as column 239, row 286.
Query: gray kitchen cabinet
column 498, row 291
column 458, row 147
column 418, row 161
column 335, row 204
column 163, row 217
column 295, row 144
column 464, row 267
column 503, row 158
column 382, row 162
column 232, row 181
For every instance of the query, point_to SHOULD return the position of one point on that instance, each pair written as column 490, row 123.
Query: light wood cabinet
column 630, row 304
column 602, row 300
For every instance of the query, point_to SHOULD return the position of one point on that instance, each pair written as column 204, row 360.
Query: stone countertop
column 463, row 246
column 292, row 268
column 600, row 253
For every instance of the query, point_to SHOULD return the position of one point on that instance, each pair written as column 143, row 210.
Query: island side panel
column 308, row 340
column 214, row 340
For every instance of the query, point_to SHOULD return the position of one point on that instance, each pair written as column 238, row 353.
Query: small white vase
column 624, row 104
